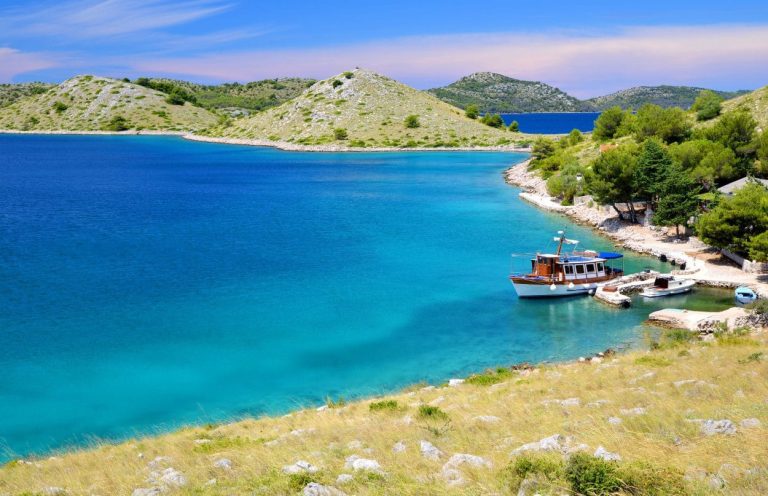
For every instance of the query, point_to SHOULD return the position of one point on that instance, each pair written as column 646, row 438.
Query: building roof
column 731, row 188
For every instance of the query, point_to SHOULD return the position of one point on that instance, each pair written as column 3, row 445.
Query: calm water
column 150, row 281
column 553, row 123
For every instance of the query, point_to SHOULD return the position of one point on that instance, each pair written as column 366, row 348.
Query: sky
column 586, row 48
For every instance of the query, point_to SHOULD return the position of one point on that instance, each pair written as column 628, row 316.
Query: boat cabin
column 571, row 268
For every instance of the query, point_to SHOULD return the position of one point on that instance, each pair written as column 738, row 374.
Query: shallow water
column 149, row 282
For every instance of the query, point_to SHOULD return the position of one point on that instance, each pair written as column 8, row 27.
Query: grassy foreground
column 647, row 407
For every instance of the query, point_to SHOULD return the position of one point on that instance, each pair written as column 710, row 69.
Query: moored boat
column 745, row 295
column 566, row 274
column 667, row 285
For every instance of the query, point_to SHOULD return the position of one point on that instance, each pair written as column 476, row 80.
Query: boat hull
column 656, row 293
column 526, row 289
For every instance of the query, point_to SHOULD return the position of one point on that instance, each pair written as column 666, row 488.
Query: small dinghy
column 668, row 285
column 744, row 295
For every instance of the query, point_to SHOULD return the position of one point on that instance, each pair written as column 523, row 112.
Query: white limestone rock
column 315, row 489
column 487, row 419
column 399, row 447
column 614, row 420
column 356, row 463
column 223, row 463
column 606, row 455
column 750, row 423
column 429, row 450
column 554, row 442
column 638, row 410
column 300, row 467
column 711, row 427
column 172, row 477
column 455, row 382
column 462, row 458
column 147, row 491
column 344, row 478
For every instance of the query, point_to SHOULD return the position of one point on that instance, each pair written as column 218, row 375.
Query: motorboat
column 667, row 285
column 745, row 295
column 566, row 273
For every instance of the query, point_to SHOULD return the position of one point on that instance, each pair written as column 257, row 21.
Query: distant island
column 493, row 92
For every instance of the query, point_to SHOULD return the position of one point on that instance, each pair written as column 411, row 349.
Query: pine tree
column 652, row 169
column 677, row 199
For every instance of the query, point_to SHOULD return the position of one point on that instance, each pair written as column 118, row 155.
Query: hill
column 9, row 93
column 246, row 97
column 90, row 103
column 363, row 109
column 497, row 93
column 755, row 102
column 686, row 418
column 664, row 96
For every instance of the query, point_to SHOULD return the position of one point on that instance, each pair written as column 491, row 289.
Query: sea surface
column 554, row 122
column 149, row 282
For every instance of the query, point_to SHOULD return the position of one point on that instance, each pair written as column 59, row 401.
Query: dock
column 698, row 321
column 616, row 293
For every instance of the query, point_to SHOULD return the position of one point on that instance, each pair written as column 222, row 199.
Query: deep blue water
column 553, row 123
column 148, row 282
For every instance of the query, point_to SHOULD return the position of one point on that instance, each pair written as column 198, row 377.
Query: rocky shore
column 703, row 263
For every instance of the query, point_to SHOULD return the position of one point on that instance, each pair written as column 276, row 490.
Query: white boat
column 668, row 285
column 566, row 274
column 744, row 295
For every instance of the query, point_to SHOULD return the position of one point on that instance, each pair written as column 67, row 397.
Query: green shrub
column 118, row 123
column 754, row 357
column 336, row 83
column 174, row 99
column 653, row 361
column 472, row 111
column 349, row 74
column 59, row 107
column 640, row 478
column 340, row 133
column 489, row 377
column 331, row 403
column 384, row 405
column 429, row 412
column 591, row 475
column 550, row 467
column 412, row 121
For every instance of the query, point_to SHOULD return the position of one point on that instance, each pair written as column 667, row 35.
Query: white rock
column 159, row 462
column 344, row 478
column 429, row 450
column 639, row 410
column 488, row 419
column 356, row 463
column 603, row 453
column 143, row 491
column 55, row 491
column 551, row 443
column 596, row 360
column 223, row 463
column 455, row 382
column 301, row 432
column 315, row 489
column 685, row 382
column 300, row 467
column 711, row 427
column 271, row 443
column 750, row 423
column 570, row 402
column 211, row 482
column 452, row 476
column 614, row 420
column 399, row 447
column 437, row 401
column 202, row 441
column 597, row 403
column 462, row 458
column 172, row 477
column 322, row 408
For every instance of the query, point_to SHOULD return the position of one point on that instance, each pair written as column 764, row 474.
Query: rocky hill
column 245, row 97
column 9, row 93
column 493, row 92
column 665, row 96
column 91, row 103
column 363, row 109
column 755, row 102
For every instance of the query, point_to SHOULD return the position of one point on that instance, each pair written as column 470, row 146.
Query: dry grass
column 727, row 380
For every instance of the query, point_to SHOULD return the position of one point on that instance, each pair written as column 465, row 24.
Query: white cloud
column 14, row 62
column 93, row 19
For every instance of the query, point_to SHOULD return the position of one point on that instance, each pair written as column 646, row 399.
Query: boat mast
column 560, row 245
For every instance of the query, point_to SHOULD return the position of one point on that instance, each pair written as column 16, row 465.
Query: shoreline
column 703, row 263
column 280, row 145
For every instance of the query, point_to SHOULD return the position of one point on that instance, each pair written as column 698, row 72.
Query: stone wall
column 747, row 265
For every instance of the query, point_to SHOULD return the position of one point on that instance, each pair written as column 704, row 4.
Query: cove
column 150, row 282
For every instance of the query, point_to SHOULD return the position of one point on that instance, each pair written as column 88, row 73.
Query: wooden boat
column 745, row 295
column 566, row 274
column 667, row 285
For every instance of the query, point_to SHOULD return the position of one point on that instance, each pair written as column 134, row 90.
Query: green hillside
column 9, row 93
column 493, row 92
column 364, row 109
column 755, row 102
column 248, row 97
column 664, row 96
column 91, row 103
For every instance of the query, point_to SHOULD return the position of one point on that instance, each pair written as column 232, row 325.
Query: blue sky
column 586, row 48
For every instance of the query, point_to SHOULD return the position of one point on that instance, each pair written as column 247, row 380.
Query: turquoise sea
column 148, row 282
